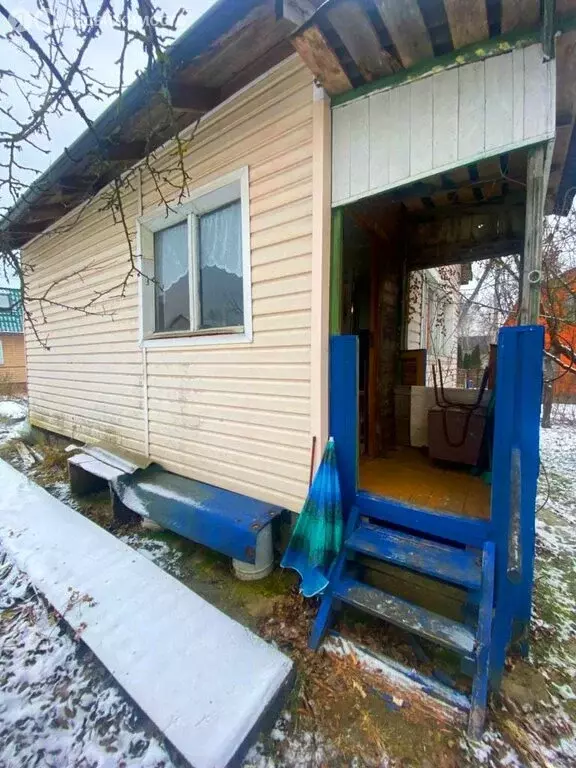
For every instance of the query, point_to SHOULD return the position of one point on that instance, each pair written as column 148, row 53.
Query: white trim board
column 394, row 137
column 203, row 679
column 231, row 186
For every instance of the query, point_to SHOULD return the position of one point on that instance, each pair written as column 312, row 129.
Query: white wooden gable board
column 402, row 134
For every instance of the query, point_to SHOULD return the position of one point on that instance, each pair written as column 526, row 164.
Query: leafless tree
column 51, row 81
column 495, row 301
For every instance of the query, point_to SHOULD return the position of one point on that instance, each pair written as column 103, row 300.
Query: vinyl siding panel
column 86, row 371
column 448, row 119
column 13, row 368
column 237, row 416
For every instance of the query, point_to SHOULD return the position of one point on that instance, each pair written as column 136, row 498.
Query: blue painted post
column 482, row 673
column 344, row 413
column 527, row 438
column 514, row 481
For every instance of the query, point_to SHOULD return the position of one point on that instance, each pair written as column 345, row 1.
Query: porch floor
column 408, row 475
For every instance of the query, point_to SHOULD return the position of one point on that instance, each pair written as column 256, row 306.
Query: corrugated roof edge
column 11, row 322
column 194, row 41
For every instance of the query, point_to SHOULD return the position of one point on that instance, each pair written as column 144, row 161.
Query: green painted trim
column 466, row 55
column 336, row 264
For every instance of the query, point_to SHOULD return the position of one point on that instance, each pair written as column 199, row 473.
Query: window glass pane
column 172, row 283
column 4, row 302
column 221, row 298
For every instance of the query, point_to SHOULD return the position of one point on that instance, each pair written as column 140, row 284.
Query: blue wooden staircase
column 492, row 560
column 470, row 569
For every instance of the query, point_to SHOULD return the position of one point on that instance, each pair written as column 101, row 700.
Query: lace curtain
column 171, row 254
column 221, row 239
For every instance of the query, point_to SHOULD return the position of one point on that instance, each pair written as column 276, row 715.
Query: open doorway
column 415, row 268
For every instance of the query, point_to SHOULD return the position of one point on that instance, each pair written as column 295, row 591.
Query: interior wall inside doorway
column 393, row 310
column 373, row 282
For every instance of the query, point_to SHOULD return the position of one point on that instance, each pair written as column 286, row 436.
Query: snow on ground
column 544, row 732
column 12, row 415
column 13, row 410
column 58, row 706
column 159, row 552
column 556, row 544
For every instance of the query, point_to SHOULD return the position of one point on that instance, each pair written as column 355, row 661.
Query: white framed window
column 195, row 261
column 5, row 305
column 1, row 354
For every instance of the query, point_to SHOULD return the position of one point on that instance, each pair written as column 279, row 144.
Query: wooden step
column 406, row 615
column 458, row 566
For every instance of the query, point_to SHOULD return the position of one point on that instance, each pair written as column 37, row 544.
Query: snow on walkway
column 58, row 705
column 201, row 677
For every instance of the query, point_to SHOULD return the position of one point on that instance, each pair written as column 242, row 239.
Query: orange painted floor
column 407, row 475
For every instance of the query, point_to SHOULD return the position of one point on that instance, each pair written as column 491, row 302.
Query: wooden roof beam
column 513, row 200
column 468, row 21
column 519, row 14
column 321, row 60
column 355, row 30
column 77, row 183
column 191, row 97
column 406, row 26
column 21, row 233
column 448, row 254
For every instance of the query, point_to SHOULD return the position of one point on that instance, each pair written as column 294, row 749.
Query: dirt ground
column 339, row 713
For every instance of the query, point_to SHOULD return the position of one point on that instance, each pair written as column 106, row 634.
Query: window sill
column 207, row 337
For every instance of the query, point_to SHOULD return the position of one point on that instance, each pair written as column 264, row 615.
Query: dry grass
column 349, row 707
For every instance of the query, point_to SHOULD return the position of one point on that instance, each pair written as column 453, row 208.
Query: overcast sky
column 102, row 56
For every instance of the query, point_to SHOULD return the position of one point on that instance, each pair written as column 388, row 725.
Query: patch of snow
column 61, row 490
column 131, row 499
column 491, row 751
column 158, row 552
column 565, row 691
column 58, row 705
column 13, row 410
column 451, row 703
column 298, row 750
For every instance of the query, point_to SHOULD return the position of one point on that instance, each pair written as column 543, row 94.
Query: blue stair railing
column 493, row 561
column 514, row 485
column 469, row 569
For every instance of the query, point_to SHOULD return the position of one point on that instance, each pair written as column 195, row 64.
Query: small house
column 256, row 285
column 12, row 353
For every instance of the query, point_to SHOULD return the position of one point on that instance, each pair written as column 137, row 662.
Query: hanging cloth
column 317, row 536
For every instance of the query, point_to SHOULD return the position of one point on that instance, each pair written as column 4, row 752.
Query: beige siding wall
column 236, row 416
column 85, row 376
column 13, row 369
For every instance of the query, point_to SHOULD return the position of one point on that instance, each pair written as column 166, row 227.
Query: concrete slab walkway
column 206, row 681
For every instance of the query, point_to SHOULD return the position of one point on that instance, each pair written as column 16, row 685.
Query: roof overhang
column 354, row 46
column 233, row 43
